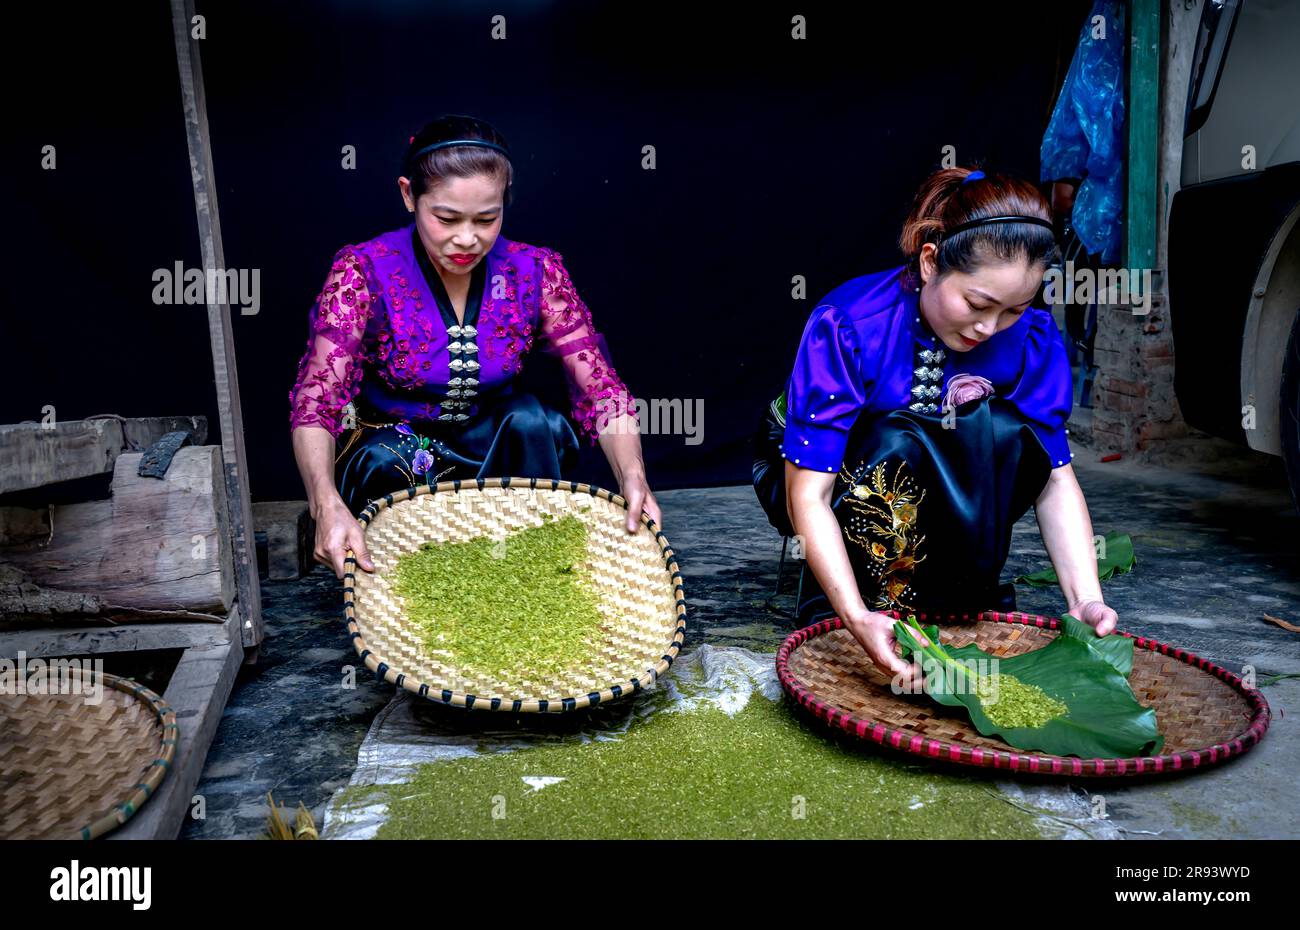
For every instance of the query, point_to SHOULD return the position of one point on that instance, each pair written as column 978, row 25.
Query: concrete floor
column 1216, row 548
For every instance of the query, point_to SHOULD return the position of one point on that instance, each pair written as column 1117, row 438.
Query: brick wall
column 1133, row 399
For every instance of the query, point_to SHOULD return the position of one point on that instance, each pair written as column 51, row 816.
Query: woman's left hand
column 1095, row 614
column 636, row 492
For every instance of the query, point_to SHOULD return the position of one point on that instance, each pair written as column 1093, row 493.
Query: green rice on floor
column 690, row 770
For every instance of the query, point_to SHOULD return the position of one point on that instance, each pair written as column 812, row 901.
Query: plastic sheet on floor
column 411, row 733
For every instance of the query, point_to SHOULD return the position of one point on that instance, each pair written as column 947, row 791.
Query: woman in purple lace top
column 415, row 342
column 925, row 414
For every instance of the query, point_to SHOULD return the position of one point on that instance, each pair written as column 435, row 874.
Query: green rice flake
column 1013, row 704
column 763, row 773
column 521, row 606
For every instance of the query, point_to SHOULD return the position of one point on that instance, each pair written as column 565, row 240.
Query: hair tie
column 973, row 176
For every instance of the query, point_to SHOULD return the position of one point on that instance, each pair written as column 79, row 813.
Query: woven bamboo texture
column 73, row 770
column 1205, row 713
column 642, row 603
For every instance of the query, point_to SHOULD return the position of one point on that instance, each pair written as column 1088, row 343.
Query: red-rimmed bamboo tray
column 1206, row 713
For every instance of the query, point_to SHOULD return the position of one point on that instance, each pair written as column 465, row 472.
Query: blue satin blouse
column 860, row 352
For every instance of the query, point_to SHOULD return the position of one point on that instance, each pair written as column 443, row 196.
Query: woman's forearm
column 808, row 496
column 1067, row 535
column 313, row 448
column 620, row 440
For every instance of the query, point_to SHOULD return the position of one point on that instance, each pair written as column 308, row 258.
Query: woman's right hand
column 875, row 633
column 337, row 531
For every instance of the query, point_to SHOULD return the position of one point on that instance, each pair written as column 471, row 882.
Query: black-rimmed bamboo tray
column 642, row 601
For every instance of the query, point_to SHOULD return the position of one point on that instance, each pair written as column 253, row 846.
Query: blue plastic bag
column 1085, row 138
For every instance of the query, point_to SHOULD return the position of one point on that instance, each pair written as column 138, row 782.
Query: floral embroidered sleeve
column 567, row 331
column 329, row 374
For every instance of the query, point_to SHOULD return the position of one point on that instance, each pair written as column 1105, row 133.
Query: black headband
column 450, row 142
column 1036, row 220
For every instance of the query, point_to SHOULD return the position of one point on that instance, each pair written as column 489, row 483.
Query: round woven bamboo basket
column 1205, row 713
column 642, row 602
column 73, row 770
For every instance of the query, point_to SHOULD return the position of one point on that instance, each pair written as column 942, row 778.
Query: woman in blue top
column 926, row 412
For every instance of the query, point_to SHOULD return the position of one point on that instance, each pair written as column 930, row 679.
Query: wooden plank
column 33, row 454
column 289, row 531
column 158, row 543
column 142, row 432
column 198, row 691
column 127, row 637
column 220, row 333
column 1141, row 209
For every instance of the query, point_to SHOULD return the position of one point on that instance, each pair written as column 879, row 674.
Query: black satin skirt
column 515, row 436
column 926, row 512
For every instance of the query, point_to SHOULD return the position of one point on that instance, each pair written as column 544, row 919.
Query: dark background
column 775, row 157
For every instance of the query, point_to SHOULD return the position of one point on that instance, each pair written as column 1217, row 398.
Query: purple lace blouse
column 866, row 348
column 375, row 330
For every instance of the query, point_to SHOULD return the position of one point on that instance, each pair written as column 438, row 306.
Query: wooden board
column 34, row 454
column 221, row 335
column 158, row 543
column 125, row 637
column 289, row 531
column 140, row 433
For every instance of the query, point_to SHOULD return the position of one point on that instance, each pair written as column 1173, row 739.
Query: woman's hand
column 1095, row 613
column 636, row 492
column 337, row 531
column 875, row 632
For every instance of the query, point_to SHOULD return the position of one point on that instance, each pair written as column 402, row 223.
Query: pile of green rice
column 522, row 606
column 1012, row 703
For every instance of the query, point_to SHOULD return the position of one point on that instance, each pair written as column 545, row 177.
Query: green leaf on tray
column 1118, row 560
column 1075, row 690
